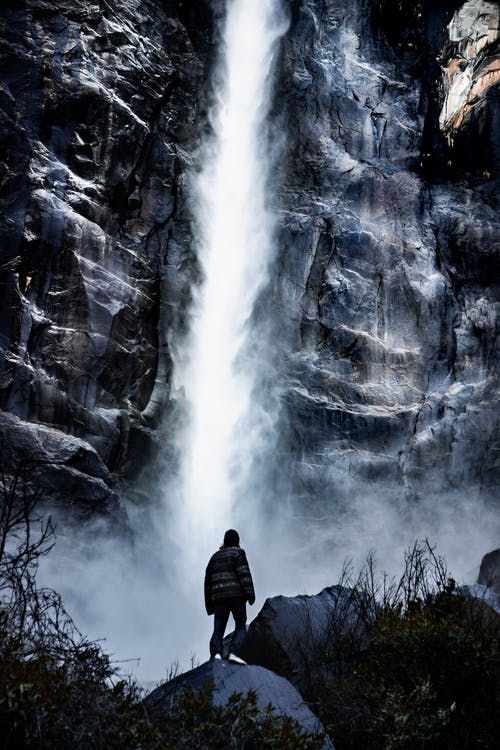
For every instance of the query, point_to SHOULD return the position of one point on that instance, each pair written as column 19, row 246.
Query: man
column 228, row 587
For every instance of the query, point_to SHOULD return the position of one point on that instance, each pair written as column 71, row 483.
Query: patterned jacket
column 228, row 577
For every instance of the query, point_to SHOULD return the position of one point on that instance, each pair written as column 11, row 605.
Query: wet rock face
column 98, row 108
column 388, row 268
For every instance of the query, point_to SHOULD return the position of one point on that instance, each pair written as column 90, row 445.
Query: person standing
column 228, row 587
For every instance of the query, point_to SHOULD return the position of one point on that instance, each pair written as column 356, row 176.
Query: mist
column 132, row 599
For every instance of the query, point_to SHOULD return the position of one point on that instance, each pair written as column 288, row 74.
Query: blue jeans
column 238, row 608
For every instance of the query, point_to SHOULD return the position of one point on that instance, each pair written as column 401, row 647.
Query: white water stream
column 234, row 241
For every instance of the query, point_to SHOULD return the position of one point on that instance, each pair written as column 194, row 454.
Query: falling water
column 153, row 607
column 234, row 229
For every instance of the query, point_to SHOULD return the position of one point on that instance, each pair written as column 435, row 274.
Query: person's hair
column 231, row 538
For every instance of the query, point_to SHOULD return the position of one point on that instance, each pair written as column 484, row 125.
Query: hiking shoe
column 236, row 659
column 217, row 656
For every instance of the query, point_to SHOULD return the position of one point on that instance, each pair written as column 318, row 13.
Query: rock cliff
column 385, row 287
column 387, row 277
column 99, row 104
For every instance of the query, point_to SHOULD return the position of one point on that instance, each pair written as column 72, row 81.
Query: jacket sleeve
column 245, row 577
column 209, row 606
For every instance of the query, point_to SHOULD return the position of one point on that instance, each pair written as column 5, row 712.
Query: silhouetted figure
column 228, row 587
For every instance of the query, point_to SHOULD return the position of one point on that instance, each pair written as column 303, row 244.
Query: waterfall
column 234, row 241
column 151, row 601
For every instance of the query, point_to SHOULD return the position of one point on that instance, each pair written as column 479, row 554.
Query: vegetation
column 427, row 677
column 237, row 724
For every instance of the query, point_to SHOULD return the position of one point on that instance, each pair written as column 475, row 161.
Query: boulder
column 489, row 571
column 487, row 586
column 297, row 635
column 227, row 679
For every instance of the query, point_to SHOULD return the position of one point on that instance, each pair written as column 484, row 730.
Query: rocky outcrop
column 227, row 679
column 61, row 467
column 472, row 66
column 98, row 106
